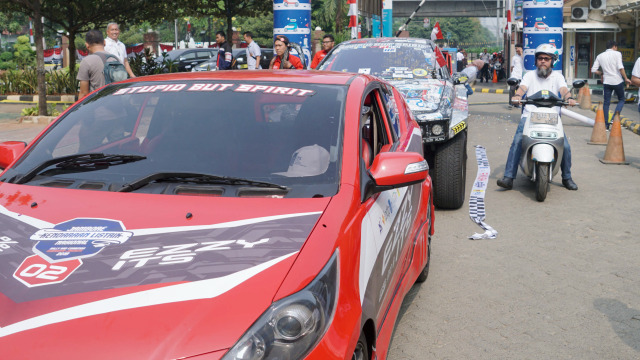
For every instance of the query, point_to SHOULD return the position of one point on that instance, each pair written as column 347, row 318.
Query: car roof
column 389, row 39
column 300, row 76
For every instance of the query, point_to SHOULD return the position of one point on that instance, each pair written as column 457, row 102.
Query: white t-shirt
column 554, row 82
column 459, row 56
column 636, row 72
column 116, row 48
column 471, row 71
column 611, row 63
column 253, row 50
column 518, row 66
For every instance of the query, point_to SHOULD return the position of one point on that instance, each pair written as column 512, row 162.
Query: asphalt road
column 561, row 279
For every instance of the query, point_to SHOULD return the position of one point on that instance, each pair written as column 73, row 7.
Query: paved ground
column 560, row 281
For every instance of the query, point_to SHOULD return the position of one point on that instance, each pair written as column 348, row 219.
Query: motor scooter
column 542, row 138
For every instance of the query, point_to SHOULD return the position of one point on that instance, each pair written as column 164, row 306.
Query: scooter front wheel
column 542, row 181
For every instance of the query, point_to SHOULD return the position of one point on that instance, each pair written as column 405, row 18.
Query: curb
column 34, row 98
column 633, row 126
column 488, row 90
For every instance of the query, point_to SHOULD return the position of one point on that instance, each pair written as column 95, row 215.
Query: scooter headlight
column 543, row 135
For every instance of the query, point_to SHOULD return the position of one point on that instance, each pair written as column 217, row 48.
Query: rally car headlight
column 292, row 326
column 436, row 129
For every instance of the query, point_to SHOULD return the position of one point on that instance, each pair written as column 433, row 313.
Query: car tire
column 361, row 352
column 425, row 271
column 450, row 173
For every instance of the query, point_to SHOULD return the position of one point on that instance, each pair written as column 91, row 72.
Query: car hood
column 93, row 274
column 423, row 95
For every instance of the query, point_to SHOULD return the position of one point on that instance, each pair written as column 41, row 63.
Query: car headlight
column 292, row 326
column 436, row 129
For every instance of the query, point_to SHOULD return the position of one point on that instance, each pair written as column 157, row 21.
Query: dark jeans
column 608, row 89
column 484, row 73
column 511, row 168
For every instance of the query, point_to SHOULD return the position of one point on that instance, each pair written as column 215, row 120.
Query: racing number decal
column 36, row 271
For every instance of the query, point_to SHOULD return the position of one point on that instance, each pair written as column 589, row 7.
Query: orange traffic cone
column 614, row 154
column 580, row 95
column 586, row 98
column 495, row 76
column 599, row 133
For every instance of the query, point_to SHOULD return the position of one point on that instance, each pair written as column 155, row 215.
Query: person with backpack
column 99, row 67
column 225, row 55
column 282, row 59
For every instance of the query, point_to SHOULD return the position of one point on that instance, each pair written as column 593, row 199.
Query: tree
column 330, row 15
column 32, row 8
column 23, row 55
column 228, row 9
column 11, row 22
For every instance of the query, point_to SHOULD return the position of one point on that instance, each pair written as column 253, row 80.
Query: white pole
column 576, row 116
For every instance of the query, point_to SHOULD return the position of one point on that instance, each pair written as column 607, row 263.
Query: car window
column 285, row 133
column 373, row 131
column 389, row 60
column 391, row 108
column 203, row 54
column 191, row 55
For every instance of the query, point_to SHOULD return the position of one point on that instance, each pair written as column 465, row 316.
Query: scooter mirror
column 579, row 83
column 512, row 81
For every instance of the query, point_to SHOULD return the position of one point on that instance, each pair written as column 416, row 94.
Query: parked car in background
column 215, row 215
column 265, row 59
column 437, row 101
column 186, row 59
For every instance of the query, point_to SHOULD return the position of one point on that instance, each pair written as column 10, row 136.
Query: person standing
column 486, row 57
column 91, row 72
column 115, row 47
column 460, row 60
column 282, row 58
column 544, row 78
column 635, row 78
column 225, row 55
column 517, row 69
column 613, row 77
column 253, row 52
column 327, row 45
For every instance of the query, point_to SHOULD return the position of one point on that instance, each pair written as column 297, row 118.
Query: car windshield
column 397, row 59
column 195, row 133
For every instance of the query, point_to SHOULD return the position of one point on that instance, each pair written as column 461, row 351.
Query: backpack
column 114, row 71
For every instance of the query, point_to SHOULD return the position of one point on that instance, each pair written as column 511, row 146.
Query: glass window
column 284, row 133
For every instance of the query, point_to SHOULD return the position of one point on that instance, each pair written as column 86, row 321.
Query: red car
column 215, row 215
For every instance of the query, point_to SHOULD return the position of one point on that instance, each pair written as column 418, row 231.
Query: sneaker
column 506, row 182
column 569, row 184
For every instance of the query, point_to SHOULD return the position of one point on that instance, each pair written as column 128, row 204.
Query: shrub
column 6, row 56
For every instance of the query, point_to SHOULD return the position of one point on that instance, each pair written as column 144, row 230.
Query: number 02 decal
column 36, row 271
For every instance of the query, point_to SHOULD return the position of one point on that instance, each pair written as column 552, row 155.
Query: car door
column 387, row 226
column 188, row 60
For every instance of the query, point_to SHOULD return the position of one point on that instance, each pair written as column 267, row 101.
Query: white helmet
column 549, row 50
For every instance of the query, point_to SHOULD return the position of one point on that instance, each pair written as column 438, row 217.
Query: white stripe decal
column 41, row 224
column 218, row 226
column 204, row 289
column 37, row 223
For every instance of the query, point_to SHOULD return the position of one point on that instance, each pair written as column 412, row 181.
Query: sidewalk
column 629, row 116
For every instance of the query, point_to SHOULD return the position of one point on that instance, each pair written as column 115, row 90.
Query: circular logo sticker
column 420, row 72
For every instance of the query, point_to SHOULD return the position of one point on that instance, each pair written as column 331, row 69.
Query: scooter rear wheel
column 542, row 181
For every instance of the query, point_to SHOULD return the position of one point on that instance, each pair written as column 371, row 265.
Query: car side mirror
column 10, row 151
column 181, row 58
column 579, row 83
column 391, row 170
column 513, row 81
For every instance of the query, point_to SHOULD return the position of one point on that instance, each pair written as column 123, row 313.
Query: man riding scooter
column 544, row 78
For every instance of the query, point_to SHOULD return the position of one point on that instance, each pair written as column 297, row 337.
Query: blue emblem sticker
column 78, row 238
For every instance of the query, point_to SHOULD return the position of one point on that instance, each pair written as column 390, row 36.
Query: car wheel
column 450, row 173
column 425, row 272
column 361, row 351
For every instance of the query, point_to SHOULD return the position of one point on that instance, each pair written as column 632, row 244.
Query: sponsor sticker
column 36, row 271
column 216, row 87
column 6, row 242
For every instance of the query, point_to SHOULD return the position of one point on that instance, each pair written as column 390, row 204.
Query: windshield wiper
column 82, row 162
column 198, row 179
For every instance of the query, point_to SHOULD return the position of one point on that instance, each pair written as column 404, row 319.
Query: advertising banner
column 542, row 20
column 292, row 18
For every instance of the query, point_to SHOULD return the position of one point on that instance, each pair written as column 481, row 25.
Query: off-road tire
column 361, row 351
column 542, row 181
column 450, row 173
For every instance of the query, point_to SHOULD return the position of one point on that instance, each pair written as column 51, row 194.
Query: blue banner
column 542, row 20
column 292, row 18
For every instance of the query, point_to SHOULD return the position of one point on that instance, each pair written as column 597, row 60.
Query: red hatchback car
column 216, row 215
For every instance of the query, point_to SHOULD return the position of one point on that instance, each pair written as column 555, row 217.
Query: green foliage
column 145, row 64
column 6, row 56
column 52, row 110
column 260, row 26
column 25, row 82
column 324, row 13
column 461, row 30
column 23, row 55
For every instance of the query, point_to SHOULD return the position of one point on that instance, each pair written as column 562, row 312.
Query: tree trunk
column 38, row 35
column 72, row 54
column 339, row 7
column 227, row 7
